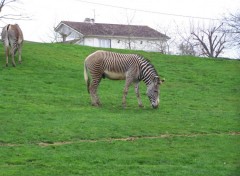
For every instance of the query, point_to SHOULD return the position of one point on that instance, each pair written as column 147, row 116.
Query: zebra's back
column 113, row 62
column 12, row 34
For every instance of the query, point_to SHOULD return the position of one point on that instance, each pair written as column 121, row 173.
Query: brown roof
column 99, row 29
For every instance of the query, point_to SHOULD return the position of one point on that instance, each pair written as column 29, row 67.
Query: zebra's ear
column 161, row 81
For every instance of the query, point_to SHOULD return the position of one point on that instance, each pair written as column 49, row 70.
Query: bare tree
column 11, row 16
column 129, row 41
column 163, row 44
column 54, row 37
column 4, row 2
column 185, row 43
column 187, row 48
column 60, row 35
column 232, row 22
column 211, row 41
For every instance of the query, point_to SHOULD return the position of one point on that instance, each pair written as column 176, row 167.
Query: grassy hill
column 48, row 126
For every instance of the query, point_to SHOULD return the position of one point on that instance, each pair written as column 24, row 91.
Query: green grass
column 45, row 100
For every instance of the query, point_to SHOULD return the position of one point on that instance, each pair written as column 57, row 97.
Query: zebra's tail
column 5, row 37
column 86, row 77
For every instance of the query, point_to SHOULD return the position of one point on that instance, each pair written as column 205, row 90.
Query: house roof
column 120, row 30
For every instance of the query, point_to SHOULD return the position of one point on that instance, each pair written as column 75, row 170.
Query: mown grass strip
column 131, row 138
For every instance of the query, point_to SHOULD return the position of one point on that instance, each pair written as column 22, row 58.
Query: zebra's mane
column 147, row 62
column 143, row 58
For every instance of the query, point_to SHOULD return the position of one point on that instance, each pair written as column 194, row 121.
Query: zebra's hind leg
column 6, row 53
column 13, row 61
column 138, row 95
column 93, row 92
column 20, row 54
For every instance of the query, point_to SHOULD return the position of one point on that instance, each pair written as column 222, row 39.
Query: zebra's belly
column 114, row 75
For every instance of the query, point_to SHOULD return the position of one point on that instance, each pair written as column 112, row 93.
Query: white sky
column 45, row 14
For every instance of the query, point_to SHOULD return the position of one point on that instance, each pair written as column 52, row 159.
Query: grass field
column 48, row 126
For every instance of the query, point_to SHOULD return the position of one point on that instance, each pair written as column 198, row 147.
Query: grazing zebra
column 12, row 38
column 130, row 67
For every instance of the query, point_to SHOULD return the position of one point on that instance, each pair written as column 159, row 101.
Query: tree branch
column 211, row 41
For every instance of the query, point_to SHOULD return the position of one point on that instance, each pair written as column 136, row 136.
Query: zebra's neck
column 147, row 72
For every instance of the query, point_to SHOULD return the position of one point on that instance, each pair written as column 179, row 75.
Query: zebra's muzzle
column 154, row 106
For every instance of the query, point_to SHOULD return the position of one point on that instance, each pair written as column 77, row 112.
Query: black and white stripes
column 131, row 67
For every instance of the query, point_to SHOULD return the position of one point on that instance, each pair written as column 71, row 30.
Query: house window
column 105, row 43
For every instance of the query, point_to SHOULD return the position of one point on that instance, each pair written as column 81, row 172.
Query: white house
column 112, row 35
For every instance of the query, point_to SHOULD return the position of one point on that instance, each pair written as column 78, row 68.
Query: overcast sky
column 158, row 14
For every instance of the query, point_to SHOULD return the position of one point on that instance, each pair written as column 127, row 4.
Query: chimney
column 89, row 20
column 92, row 20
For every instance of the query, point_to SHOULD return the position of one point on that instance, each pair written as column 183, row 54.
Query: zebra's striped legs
column 125, row 91
column 93, row 92
column 12, row 53
column 6, row 53
column 20, row 54
column 138, row 94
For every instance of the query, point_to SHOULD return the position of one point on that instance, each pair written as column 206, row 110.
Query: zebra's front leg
column 93, row 92
column 138, row 95
column 125, row 92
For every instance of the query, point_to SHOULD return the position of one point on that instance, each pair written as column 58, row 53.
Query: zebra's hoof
column 20, row 62
column 6, row 65
column 141, row 106
column 96, row 104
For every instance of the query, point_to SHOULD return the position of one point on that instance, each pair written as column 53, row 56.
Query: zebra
column 130, row 67
column 12, row 38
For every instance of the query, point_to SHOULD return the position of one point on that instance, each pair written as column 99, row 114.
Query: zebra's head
column 153, row 91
